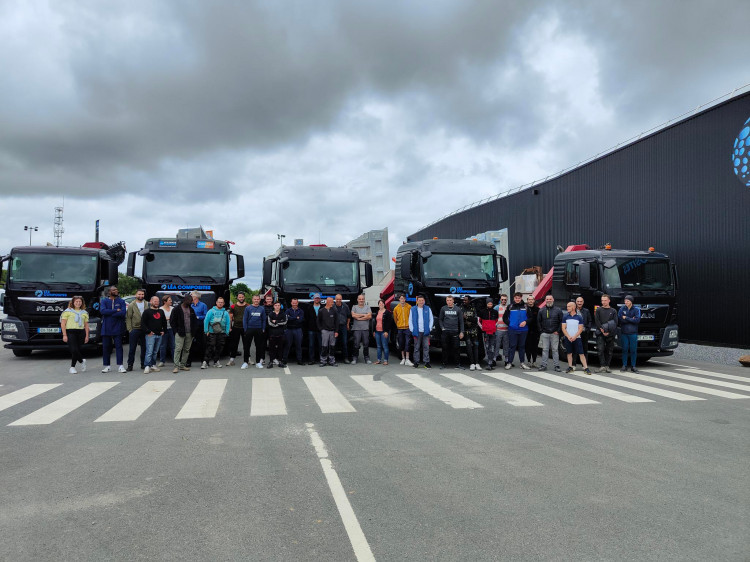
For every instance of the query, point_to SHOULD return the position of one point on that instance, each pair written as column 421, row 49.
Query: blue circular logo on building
column 740, row 155
column 38, row 293
column 411, row 288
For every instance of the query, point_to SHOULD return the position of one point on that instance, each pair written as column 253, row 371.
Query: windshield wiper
column 71, row 284
column 170, row 279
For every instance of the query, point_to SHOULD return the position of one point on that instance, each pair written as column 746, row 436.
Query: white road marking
column 387, row 394
column 541, row 389
column 328, row 397
column 353, row 529
column 662, row 362
column 718, row 375
column 693, row 378
column 23, row 394
column 204, row 401
column 615, row 380
column 453, row 399
column 512, row 398
column 267, row 398
column 694, row 388
column 132, row 406
column 57, row 409
column 616, row 394
column 287, row 371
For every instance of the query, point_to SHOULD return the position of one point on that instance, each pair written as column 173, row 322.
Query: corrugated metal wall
column 675, row 189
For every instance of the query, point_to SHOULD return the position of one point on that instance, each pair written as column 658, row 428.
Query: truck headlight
column 8, row 327
column 673, row 334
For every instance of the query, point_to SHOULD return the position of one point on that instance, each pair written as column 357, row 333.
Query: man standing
column 295, row 319
column 362, row 316
column 532, row 339
column 605, row 318
column 216, row 326
column 328, row 323
column 515, row 318
column 313, row 332
column 113, row 310
column 237, row 333
column 588, row 323
column 549, row 320
column 488, row 325
column 572, row 327
column 153, row 325
column 201, row 309
column 401, row 314
column 421, row 321
column 268, row 307
column 451, row 321
column 629, row 318
column 184, row 325
column 471, row 333
column 501, row 336
column 133, row 325
column 345, row 318
column 254, row 324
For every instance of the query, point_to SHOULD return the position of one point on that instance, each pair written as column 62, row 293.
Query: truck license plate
column 646, row 337
column 48, row 330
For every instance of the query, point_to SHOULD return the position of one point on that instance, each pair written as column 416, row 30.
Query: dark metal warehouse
column 684, row 189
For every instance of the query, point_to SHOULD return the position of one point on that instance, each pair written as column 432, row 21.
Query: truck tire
column 21, row 352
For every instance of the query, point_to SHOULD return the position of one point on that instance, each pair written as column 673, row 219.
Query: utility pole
column 31, row 229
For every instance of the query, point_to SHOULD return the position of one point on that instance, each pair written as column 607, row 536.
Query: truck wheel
column 21, row 352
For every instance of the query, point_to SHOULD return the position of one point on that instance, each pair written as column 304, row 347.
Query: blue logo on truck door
column 462, row 291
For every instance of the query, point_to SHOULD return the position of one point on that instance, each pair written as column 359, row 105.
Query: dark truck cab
column 650, row 277
column 42, row 280
column 301, row 271
column 440, row 268
column 190, row 262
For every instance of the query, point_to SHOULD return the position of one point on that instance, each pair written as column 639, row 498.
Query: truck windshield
column 55, row 268
column 321, row 273
column 460, row 266
column 639, row 273
column 161, row 265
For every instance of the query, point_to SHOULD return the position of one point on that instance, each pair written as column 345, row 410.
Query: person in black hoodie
column 532, row 339
column 185, row 325
column 295, row 320
column 605, row 319
column 313, row 332
column 276, row 327
column 549, row 320
column 328, row 324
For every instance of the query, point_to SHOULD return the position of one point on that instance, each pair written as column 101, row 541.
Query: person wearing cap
column 605, row 318
column 488, row 324
column 629, row 317
column 313, row 332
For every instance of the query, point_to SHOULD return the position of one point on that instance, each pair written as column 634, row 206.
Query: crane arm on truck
column 546, row 285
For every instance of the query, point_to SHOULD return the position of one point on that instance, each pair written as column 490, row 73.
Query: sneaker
column 218, row 365
column 427, row 366
column 334, row 364
column 569, row 370
column 408, row 363
column 533, row 364
column 146, row 371
column 107, row 369
column 623, row 369
column 155, row 369
column 204, row 365
column 300, row 363
column 415, row 365
column 525, row 367
column 83, row 366
column 508, row 366
column 73, row 371
column 322, row 364
column 244, row 366
column 311, row 362
column 472, row 367
column 634, row 370
column 403, row 361
column 270, row 366
column 176, row 370
column 215, row 364
column 608, row 369
column 121, row 369
column 586, row 371
column 160, row 364
column 353, row 361
column 368, row 361
column 276, row 362
column 557, row 369
column 542, row 368
column 259, row 365
column 230, row 362
column 602, row 369
column 442, row 366
column 282, row 365
column 185, row 368
column 130, row 368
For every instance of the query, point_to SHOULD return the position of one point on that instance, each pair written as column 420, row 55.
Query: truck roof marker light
column 608, row 246
column 473, row 239
column 434, row 237
column 393, row 260
column 651, row 249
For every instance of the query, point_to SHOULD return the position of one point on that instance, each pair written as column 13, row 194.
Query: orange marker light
column 652, row 249
column 608, row 246
column 434, row 237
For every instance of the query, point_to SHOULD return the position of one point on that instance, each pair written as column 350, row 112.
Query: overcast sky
column 323, row 120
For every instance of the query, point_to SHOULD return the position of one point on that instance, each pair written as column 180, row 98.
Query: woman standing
column 276, row 327
column 74, row 323
column 168, row 339
column 216, row 326
column 383, row 326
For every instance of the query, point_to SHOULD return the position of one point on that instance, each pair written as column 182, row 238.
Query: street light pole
column 281, row 238
column 31, row 229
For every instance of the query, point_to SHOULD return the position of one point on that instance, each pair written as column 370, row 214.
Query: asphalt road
column 225, row 464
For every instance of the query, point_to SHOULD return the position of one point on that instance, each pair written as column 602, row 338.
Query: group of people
column 505, row 329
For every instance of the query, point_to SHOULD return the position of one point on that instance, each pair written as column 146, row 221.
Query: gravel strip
column 719, row 355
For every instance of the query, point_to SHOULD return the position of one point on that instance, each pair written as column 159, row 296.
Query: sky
column 324, row 120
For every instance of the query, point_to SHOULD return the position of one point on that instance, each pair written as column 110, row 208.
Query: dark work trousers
column 198, row 351
column 517, row 341
column 107, row 349
column 605, row 346
column 585, row 344
column 449, row 342
column 293, row 337
column 472, row 348
column 259, row 337
column 313, row 346
column 75, row 341
column 214, row 346
column 276, row 347
column 235, row 335
column 532, row 346
column 343, row 341
column 137, row 337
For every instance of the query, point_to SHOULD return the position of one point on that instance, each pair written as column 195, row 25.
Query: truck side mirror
column 112, row 277
column 502, row 268
column 131, row 264
column 368, row 275
column 406, row 267
column 240, row 266
column 584, row 275
column 267, row 272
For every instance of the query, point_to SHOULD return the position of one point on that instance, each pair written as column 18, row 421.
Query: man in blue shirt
column 629, row 318
column 572, row 327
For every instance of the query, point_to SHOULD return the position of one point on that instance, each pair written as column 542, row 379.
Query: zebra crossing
column 277, row 396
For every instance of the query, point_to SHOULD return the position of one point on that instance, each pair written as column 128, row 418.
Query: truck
column 649, row 276
column 301, row 271
column 439, row 268
column 191, row 261
column 42, row 280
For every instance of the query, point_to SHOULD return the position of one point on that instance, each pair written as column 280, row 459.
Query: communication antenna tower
column 59, row 225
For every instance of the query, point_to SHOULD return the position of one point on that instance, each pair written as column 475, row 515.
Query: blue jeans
column 422, row 346
column 152, row 346
column 629, row 343
column 167, row 341
column 382, row 342
column 517, row 340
